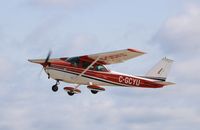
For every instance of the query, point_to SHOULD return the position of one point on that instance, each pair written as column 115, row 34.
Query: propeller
column 46, row 62
column 48, row 57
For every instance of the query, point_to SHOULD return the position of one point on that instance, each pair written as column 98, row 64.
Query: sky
column 30, row 28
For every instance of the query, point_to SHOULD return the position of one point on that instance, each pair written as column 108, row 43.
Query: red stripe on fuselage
column 123, row 80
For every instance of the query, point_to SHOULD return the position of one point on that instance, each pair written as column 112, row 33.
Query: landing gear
column 71, row 90
column 70, row 93
column 55, row 87
column 94, row 91
column 48, row 76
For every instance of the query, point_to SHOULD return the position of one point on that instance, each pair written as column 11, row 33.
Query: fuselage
column 67, row 72
column 90, row 70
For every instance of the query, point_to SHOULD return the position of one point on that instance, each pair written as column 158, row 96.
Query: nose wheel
column 55, row 87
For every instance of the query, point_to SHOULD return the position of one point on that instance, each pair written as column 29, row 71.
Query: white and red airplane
column 90, row 70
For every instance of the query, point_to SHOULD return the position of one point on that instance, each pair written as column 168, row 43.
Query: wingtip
column 29, row 60
column 135, row 50
column 165, row 58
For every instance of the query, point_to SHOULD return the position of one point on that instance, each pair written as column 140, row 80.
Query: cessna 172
column 90, row 70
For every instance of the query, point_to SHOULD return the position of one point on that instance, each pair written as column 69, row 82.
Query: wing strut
column 80, row 75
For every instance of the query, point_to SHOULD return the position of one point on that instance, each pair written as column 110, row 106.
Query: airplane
column 90, row 70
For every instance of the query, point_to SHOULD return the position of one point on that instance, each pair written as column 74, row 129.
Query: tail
column 160, row 70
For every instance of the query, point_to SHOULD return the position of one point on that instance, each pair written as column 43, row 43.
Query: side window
column 86, row 64
column 100, row 68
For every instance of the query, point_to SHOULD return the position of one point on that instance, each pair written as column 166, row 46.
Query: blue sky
column 29, row 28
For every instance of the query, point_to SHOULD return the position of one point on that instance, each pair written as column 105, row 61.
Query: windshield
column 74, row 61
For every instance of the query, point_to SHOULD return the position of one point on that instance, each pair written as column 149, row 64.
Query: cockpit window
column 87, row 64
column 74, row 61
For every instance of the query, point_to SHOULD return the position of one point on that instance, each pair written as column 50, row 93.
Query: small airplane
column 90, row 70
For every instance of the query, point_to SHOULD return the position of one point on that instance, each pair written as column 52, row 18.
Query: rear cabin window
column 100, row 68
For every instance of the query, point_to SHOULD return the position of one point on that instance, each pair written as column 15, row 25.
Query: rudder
column 160, row 70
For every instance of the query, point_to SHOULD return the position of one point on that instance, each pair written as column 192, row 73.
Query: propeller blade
column 41, row 72
column 43, row 63
column 48, row 57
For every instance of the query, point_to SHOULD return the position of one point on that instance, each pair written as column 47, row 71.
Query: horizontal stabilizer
column 165, row 83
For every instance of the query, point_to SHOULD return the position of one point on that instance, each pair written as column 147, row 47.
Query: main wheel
column 55, row 88
column 70, row 93
column 94, row 91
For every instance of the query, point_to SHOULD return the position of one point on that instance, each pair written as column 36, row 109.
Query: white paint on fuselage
column 71, row 78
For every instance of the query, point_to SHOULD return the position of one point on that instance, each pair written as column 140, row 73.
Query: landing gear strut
column 55, row 87
column 48, row 76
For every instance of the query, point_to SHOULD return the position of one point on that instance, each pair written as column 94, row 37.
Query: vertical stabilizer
column 160, row 70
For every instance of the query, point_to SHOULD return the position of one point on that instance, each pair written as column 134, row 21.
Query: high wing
column 113, row 57
column 40, row 61
column 106, row 58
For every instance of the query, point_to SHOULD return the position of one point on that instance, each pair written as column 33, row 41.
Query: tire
column 94, row 91
column 55, row 88
column 70, row 93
